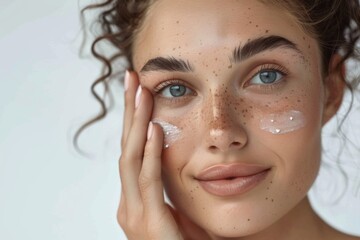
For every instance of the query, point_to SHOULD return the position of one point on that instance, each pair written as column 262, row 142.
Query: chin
column 234, row 226
column 226, row 220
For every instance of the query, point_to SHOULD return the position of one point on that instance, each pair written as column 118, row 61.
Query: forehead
column 186, row 26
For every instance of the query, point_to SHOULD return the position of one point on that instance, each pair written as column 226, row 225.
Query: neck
column 300, row 223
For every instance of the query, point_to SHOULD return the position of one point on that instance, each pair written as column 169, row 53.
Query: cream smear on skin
column 171, row 132
column 284, row 122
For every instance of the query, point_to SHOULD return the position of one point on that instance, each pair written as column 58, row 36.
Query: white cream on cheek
column 284, row 122
column 171, row 132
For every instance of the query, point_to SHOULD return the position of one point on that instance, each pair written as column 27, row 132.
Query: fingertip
column 154, row 144
column 159, row 131
column 131, row 81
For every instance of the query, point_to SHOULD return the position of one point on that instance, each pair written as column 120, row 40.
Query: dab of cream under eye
column 171, row 132
column 283, row 122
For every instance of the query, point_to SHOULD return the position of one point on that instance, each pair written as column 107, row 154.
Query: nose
column 224, row 126
column 224, row 140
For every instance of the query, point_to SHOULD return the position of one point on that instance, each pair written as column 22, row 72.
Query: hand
column 143, row 213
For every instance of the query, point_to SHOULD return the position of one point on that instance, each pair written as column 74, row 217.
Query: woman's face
column 238, row 88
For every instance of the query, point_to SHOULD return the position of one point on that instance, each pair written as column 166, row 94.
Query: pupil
column 268, row 77
column 177, row 90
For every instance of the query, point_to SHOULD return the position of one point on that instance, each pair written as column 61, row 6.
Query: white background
column 47, row 191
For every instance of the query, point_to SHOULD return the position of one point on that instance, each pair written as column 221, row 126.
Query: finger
column 160, row 224
column 150, row 181
column 121, row 212
column 131, row 85
column 132, row 155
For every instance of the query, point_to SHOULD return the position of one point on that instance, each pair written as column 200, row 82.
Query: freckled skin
column 220, row 123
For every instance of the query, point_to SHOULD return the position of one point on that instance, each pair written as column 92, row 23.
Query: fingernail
column 138, row 96
column 150, row 130
column 126, row 80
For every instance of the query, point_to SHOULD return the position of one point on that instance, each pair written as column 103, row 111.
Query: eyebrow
column 170, row 64
column 261, row 44
column 240, row 53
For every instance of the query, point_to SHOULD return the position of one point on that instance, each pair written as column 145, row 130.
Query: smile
column 233, row 179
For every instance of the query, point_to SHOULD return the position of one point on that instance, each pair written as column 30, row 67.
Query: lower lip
column 236, row 186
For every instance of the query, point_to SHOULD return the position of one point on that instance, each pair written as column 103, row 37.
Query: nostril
column 235, row 144
column 212, row 147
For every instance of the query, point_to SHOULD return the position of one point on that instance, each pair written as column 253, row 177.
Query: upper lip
column 229, row 171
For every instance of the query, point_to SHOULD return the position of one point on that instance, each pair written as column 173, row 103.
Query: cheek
column 179, row 133
column 176, row 160
column 305, row 145
column 297, row 151
column 297, row 167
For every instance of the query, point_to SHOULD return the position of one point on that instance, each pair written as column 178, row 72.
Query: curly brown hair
column 334, row 23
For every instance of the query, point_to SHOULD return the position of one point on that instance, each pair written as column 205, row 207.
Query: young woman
column 224, row 106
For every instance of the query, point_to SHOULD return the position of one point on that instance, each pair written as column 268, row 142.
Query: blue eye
column 267, row 77
column 175, row 91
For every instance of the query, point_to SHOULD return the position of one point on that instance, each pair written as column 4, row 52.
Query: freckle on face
column 242, row 110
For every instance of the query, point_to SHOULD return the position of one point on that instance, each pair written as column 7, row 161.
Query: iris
column 268, row 76
column 177, row 90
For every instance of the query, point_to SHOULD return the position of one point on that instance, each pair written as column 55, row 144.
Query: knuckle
column 121, row 216
column 147, row 178
column 133, row 224
column 146, row 184
column 151, row 153
column 121, row 219
column 147, row 152
column 125, row 159
column 144, row 181
column 128, row 161
column 122, row 160
column 122, row 163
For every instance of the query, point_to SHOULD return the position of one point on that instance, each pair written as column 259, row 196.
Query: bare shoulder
column 352, row 238
column 337, row 235
column 344, row 236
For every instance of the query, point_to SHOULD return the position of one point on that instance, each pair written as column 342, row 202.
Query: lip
column 231, row 179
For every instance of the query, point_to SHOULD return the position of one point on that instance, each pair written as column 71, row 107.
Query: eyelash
column 159, row 88
column 265, row 87
column 165, row 84
column 268, row 88
column 270, row 67
column 168, row 83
